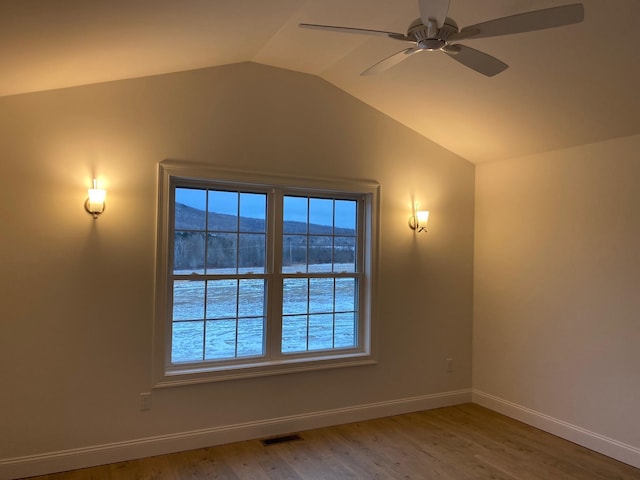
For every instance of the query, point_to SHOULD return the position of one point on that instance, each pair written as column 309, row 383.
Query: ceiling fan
column 434, row 31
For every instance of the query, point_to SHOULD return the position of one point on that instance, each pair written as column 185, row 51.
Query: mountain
column 189, row 218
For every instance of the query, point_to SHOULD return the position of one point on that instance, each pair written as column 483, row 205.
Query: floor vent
column 281, row 439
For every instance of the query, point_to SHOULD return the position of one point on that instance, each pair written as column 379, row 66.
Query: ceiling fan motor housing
column 424, row 41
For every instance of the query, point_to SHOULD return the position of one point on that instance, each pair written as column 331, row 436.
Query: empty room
column 320, row 239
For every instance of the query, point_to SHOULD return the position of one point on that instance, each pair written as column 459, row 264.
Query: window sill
column 190, row 376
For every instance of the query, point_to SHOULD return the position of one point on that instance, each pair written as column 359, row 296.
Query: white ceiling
column 567, row 86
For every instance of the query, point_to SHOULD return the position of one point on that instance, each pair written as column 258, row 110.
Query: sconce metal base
column 413, row 224
column 94, row 214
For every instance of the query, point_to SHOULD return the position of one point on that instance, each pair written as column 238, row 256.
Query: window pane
column 294, row 296
column 320, row 295
column 251, row 337
column 221, row 253
column 322, row 329
column 294, row 334
column 223, row 211
column 320, row 254
column 344, row 254
column 222, row 298
column 320, row 332
column 294, row 254
column 188, row 252
column 321, row 216
column 188, row 300
column 346, row 294
column 345, row 328
column 222, row 233
column 190, row 206
column 221, row 339
column 251, row 254
column 345, row 217
column 187, row 340
column 251, row 298
column 295, row 214
column 253, row 212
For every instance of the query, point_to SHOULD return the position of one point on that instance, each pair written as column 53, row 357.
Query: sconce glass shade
column 418, row 222
column 95, row 203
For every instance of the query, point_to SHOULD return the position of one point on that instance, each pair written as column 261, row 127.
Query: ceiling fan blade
column 524, row 22
column 364, row 31
column 475, row 59
column 433, row 10
column 389, row 62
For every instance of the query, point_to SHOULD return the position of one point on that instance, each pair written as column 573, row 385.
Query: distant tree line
column 222, row 248
column 189, row 250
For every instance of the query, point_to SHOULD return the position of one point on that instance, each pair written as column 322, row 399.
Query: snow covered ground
column 225, row 319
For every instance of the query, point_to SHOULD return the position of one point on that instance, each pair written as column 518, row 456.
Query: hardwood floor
column 453, row 443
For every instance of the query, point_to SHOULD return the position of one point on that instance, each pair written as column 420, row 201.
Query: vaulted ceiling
column 567, row 86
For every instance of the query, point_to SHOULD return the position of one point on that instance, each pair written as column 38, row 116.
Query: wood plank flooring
column 465, row 442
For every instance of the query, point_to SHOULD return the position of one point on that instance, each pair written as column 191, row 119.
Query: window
column 261, row 274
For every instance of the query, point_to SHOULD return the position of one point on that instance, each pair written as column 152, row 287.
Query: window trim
column 168, row 172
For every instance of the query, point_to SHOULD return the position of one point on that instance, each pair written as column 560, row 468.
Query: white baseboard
column 591, row 440
column 40, row 464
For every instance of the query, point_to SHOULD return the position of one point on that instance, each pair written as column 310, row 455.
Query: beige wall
column 557, row 289
column 78, row 294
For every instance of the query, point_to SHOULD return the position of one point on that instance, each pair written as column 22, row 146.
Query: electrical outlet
column 145, row 401
column 449, row 364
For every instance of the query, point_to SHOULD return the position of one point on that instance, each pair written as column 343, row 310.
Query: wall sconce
column 95, row 203
column 418, row 221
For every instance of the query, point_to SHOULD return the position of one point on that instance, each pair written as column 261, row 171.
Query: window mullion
column 333, row 314
column 274, row 267
column 308, row 310
column 205, row 323
column 206, row 283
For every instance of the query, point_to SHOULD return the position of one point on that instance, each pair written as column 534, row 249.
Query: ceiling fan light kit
column 434, row 32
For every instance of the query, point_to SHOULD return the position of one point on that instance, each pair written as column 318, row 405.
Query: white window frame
column 169, row 172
